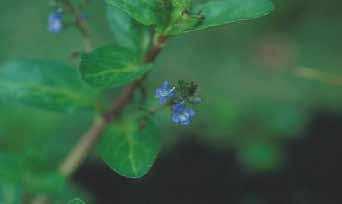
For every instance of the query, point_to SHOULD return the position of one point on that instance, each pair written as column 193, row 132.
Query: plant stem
column 81, row 149
column 155, row 50
column 314, row 74
column 91, row 137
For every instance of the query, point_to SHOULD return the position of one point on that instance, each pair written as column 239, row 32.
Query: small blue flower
column 165, row 92
column 182, row 115
column 55, row 24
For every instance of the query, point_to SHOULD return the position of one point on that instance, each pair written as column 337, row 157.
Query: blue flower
column 182, row 115
column 165, row 92
column 55, row 24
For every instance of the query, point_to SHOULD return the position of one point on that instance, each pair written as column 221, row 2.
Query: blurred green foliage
column 48, row 85
column 31, row 152
column 253, row 75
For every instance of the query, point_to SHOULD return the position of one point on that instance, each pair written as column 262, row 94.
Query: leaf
column 31, row 154
column 11, row 166
column 147, row 12
column 127, row 31
column 181, row 18
column 48, row 182
column 48, row 85
column 10, row 194
column 15, row 169
column 222, row 12
column 76, row 201
column 128, row 150
column 112, row 66
column 216, row 13
column 261, row 157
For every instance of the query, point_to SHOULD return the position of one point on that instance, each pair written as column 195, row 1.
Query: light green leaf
column 216, row 13
column 147, row 12
column 128, row 150
column 48, row 85
column 127, row 31
column 228, row 11
column 112, row 66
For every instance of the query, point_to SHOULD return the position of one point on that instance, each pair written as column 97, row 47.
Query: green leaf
column 127, row 31
column 16, row 169
column 259, row 156
column 11, row 167
column 181, row 18
column 48, row 85
column 128, row 150
column 112, row 66
column 147, row 12
column 76, row 201
column 10, row 194
column 47, row 182
column 31, row 154
column 216, row 13
column 222, row 12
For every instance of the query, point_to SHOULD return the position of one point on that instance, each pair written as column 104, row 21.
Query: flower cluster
column 181, row 114
column 55, row 24
column 178, row 96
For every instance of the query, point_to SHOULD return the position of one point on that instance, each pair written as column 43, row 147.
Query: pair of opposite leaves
column 112, row 66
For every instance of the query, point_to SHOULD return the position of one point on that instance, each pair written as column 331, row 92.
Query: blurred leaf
column 10, row 194
column 222, row 12
column 128, row 32
column 128, row 150
column 43, row 139
column 31, row 154
column 49, row 182
column 112, row 66
column 282, row 120
column 11, row 167
column 70, row 194
column 147, row 12
column 16, row 170
column 44, row 84
column 76, row 201
column 259, row 156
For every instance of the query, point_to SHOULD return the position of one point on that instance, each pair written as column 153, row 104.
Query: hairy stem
column 91, row 137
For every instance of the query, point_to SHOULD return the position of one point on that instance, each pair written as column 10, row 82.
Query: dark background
column 194, row 173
